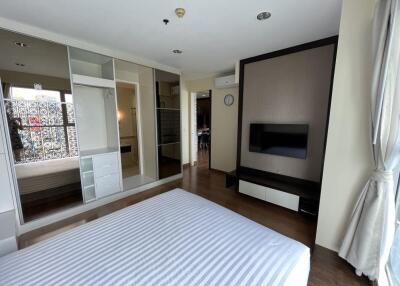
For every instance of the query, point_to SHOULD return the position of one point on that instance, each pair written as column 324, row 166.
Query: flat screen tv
column 279, row 139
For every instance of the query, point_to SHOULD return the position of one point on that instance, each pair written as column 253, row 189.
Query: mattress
column 176, row 238
column 44, row 175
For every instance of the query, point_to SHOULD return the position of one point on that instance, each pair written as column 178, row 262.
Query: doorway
column 201, row 128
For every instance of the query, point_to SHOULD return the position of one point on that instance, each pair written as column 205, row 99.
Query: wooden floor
column 326, row 267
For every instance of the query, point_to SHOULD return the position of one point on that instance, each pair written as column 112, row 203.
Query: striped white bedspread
column 176, row 238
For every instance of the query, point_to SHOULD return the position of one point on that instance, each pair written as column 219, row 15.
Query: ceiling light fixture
column 21, row 44
column 180, row 12
column 177, row 51
column 263, row 16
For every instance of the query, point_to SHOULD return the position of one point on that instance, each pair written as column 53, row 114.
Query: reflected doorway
column 128, row 129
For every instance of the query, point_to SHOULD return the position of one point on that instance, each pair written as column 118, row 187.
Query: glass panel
column 168, row 123
column 168, row 126
column 169, row 160
column 41, row 123
column 138, row 145
column 167, row 90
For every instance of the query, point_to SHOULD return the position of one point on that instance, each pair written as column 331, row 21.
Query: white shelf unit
column 92, row 81
column 104, row 178
column 90, row 65
column 87, row 179
column 94, row 92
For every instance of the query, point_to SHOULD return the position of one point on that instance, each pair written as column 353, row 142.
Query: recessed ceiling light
column 19, row 64
column 21, row 44
column 177, row 51
column 263, row 16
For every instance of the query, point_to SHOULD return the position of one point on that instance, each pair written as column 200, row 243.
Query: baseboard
column 218, row 171
column 50, row 219
column 185, row 166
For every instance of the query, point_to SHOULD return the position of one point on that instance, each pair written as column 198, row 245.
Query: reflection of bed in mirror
column 45, row 175
column 45, row 182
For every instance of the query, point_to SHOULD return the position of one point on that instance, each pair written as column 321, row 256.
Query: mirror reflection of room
column 168, row 123
column 136, row 121
column 127, row 121
column 39, row 111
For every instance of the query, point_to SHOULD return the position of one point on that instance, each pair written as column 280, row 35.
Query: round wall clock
column 229, row 99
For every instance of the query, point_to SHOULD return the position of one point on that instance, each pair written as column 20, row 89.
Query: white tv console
column 270, row 195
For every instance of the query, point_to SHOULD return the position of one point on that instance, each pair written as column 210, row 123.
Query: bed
column 49, row 174
column 176, row 238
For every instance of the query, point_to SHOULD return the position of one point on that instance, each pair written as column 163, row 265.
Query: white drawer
column 282, row 199
column 105, row 164
column 107, row 185
column 253, row 190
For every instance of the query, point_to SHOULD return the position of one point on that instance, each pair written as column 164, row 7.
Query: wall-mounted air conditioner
column 225, row 81
column 229, row 80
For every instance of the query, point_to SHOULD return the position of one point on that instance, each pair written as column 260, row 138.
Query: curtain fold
column 370, row 234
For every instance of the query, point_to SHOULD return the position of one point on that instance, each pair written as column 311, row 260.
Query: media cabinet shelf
column 302, row 188
column 309, row 192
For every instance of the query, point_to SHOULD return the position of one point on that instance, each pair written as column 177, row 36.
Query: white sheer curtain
column 369, row 237
column 393, row 268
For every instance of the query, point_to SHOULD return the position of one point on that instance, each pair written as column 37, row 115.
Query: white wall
column 224, row 120
column 348, row 158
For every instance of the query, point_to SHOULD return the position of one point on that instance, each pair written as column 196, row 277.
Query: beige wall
column 348, row 155
column 291, row 89
column 223, row 123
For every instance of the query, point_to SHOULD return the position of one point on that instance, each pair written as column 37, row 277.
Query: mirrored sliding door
column 39, row 119
column 168, row 124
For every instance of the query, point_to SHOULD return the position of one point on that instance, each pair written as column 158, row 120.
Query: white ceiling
column 212, row 34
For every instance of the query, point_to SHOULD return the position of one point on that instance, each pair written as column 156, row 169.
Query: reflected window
column 41, row 124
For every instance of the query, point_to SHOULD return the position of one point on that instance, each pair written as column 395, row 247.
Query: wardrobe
column 85, row 146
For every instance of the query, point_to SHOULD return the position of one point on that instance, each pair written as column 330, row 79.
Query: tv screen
column 279, row 139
